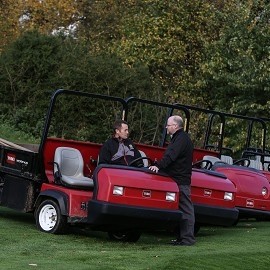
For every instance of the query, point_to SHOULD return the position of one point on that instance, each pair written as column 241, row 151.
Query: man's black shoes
column 180, row 243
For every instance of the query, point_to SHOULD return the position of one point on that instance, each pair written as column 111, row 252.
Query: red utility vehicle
column 60, row 181
column 246, row 171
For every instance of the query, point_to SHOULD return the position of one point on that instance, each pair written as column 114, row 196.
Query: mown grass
column 245, row 246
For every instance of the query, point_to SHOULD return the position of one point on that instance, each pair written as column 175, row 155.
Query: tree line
column 209, row 53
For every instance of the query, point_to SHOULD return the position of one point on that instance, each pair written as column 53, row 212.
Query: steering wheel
column 207, row 164
column 242, row 161
column 133, row 162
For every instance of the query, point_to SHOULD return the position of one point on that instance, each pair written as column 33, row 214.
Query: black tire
column 129, row 236
column 49, row 218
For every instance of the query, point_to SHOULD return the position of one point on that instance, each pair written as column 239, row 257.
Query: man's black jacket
column 118, row 152
column 177, row 159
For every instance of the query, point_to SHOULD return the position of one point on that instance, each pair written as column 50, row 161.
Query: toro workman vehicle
column 61, row 181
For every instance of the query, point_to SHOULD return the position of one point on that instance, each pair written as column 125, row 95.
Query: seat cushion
column 81, row 181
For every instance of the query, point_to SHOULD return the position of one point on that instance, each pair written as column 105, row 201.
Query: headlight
column 228, row 196
column 118, row 190
column 170, row 196
column 264, row 191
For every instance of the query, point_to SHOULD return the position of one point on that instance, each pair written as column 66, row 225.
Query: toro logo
column 250, row 203
column 11, row 158
column 207, row 192
column 147, row 193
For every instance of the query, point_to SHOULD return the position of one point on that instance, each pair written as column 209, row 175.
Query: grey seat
column 256, row 164
column 266, row 163
column 227, row 159
column 68, row 165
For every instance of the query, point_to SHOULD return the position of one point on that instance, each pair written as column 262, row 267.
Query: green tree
column 237, row 64
column 36, row 64
column 28, row 73
column 48, row 17
column 9, row 21
column 195, row 52
column 169, row 37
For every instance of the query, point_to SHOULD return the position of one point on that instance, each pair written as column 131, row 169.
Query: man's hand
column 153, row 168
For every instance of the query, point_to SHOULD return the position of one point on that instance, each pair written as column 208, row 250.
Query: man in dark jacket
column 177, row 163
column 119, row 150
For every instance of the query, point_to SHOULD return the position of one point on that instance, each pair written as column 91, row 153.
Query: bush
column 35, row 65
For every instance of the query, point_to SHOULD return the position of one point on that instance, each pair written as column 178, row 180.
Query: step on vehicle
column 59, row 180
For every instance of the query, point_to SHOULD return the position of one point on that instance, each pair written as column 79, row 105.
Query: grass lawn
column 245, row 246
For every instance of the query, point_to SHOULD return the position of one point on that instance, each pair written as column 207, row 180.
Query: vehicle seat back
column 70, row 163
column 255, row 164
column 227, row 159
column 266, row 165
column 212, row 159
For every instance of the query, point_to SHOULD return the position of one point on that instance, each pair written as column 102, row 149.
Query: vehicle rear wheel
column 129, row 236
column 49, row 219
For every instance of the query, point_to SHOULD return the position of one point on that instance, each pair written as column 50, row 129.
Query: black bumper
column 105, row 216
column 205, row 214
column 253, row 213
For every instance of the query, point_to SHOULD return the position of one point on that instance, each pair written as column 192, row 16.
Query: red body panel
column 76, row 199
column 249, row 184
column 209, row 189
column 200, row 180
column 267, row 175
column 137, row 186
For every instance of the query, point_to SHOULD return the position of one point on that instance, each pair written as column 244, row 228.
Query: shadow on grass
column 247, row 223
column 152, row 237
column 87, row 232
column 17, row 216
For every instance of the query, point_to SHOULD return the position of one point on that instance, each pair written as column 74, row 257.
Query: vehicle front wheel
column 129, row 236
column 49, row 219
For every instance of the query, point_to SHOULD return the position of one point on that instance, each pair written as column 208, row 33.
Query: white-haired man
column 177, row 163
